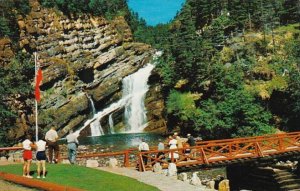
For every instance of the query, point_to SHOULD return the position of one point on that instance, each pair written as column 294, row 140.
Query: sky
column 156, row 11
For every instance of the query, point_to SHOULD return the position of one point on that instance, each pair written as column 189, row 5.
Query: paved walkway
column 160, row 181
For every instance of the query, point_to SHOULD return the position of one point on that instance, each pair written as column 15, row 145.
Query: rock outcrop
column 6, row 52
column 81, row 56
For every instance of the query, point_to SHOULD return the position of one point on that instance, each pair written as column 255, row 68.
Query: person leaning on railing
column 72, row 146
column 160, row 147
column 143, row 147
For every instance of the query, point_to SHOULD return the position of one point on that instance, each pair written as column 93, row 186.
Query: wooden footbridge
column 210, row 153
column 227, row 151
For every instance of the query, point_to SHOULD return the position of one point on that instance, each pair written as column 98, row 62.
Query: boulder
column 92, row 163
column 183, row 177
column 211, row 184
column 113, row 163
column 10, row 159
column 195, row 180
column 157, row 168
column 172, row 169
column 65, row 161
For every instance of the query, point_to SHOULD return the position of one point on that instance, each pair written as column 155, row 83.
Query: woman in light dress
column 173, row 145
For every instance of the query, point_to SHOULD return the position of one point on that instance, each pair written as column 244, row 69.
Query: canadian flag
column 38, row 79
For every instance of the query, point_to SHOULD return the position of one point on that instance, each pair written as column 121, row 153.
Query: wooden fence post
column 126, row 158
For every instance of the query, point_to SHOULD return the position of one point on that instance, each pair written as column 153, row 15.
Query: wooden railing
column 207, row 152
column 10, row 148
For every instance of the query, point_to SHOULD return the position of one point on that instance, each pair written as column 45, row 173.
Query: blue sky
column 156, row 11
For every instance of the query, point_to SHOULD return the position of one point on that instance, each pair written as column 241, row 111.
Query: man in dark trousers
column 191, row 141
column 51, row 139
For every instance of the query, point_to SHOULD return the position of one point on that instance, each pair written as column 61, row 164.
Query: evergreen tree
column 290, row 12
column 15, row 80
column 4, row 27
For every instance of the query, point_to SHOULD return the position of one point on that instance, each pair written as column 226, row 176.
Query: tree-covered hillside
column 230, row 68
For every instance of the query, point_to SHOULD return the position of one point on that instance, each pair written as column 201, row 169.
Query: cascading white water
column 98, row 116
column 111, row 124
column 96, row 128
column 92, row 104
column 136, row 87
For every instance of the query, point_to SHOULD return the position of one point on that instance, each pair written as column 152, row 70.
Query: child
column 41, row 157
column 27, row 156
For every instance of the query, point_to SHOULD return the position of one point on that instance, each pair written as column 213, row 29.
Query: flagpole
column 36, row 103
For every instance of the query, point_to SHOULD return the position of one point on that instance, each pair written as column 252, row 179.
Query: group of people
column 173, row 142
column 176, row 142
column 50, row 141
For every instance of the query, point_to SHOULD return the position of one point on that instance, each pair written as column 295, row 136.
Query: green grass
column 84, row 178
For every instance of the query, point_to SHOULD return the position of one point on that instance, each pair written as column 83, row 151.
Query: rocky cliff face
column 81, row 57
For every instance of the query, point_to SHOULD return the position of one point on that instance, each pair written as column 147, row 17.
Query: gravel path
column 160, row 181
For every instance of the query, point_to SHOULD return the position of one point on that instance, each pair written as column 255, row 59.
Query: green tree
column 15, row 80
column 231, row 111
column 4, row 27
column 290, row 12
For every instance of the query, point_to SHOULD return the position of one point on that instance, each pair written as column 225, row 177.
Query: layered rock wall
column 80, row 56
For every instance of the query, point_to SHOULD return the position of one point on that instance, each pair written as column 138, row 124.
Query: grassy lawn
column 84, row 178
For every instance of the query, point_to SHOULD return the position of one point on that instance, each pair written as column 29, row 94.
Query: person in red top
column 27, row 155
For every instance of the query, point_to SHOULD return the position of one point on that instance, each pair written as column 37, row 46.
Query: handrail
column 10, row 148
column 207, row 152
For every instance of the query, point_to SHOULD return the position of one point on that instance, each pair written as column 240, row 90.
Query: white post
column 36, row 103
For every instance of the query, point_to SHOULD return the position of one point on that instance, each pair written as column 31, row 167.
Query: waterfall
column 135, row 86
column 111, row 124
column 98, row 116
column 96, row 128
column 92, row 104
column 133, row 96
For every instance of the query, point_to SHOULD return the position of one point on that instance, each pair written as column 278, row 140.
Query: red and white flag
column 38, row 80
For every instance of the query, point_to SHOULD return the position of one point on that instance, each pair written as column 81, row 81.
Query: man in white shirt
column 72, row 146
column 143, row 147
column 51, row 138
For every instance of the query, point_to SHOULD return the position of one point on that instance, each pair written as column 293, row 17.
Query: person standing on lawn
column 72, row 146
column 51, row 139
column 27, row 155
column 41, row 157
